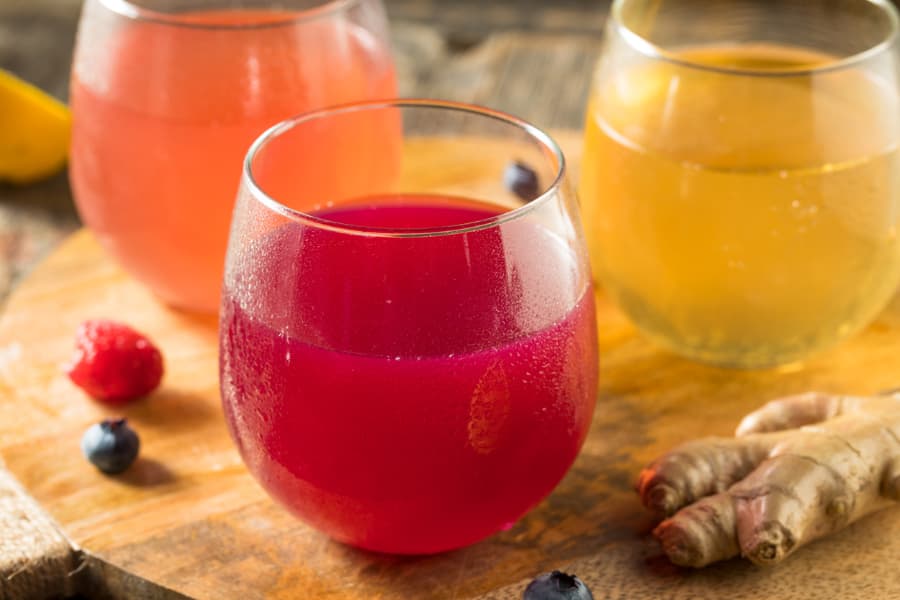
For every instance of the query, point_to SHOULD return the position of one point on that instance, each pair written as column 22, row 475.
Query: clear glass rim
column 541, row 137
column 130, row 10
column 654, row 51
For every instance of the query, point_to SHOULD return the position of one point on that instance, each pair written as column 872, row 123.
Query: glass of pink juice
column 408, row 349
column 167, row 96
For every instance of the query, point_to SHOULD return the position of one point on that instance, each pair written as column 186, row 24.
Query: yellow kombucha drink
column 742, row 202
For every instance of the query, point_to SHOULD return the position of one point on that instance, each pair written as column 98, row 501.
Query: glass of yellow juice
column 741, row 178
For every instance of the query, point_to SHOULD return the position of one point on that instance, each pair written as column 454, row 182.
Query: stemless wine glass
column 408, row 349
column 167, row 96
column 740, row 185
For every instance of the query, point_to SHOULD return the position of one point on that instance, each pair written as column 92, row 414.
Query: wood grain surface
column 188, row 520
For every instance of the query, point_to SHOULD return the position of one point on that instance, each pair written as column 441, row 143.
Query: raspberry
column 113, row 363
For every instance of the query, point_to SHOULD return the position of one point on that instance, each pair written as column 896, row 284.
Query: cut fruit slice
column 34, row 131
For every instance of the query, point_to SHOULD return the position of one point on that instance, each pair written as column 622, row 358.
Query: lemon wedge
column 34, row 131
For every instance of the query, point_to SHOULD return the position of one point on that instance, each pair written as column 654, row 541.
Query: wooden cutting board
column 188, row 519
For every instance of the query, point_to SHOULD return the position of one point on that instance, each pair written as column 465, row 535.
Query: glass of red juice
column 408, row 348
column 167, row 95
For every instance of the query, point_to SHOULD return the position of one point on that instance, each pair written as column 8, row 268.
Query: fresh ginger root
column 775, row 487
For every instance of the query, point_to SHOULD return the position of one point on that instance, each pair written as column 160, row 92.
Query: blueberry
column 110, row 445
column 557, row 586
column 521, row 180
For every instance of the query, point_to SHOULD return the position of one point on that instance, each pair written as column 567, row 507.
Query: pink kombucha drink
column 166, row 105
column 408, row 345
